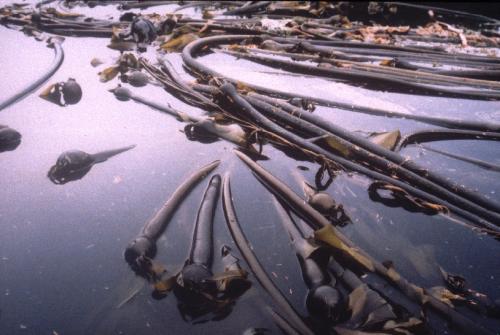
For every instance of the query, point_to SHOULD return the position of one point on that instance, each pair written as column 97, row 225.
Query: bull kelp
column 298, row 167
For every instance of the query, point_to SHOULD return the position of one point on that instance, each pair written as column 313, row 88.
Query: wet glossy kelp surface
column 62, row 269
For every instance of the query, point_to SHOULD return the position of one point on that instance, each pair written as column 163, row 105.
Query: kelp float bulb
column 72, row 92
column 143, row 30
column 136, row 78
column 9, row 138
column 63, row 93
column 322, row 202
column 121, row 93
column 324, row 301
column 75, row 164
column 137, row 249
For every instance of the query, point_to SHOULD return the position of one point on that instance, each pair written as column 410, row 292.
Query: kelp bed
column 336, row 148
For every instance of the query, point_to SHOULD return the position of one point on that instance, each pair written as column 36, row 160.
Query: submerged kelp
column 378, row 50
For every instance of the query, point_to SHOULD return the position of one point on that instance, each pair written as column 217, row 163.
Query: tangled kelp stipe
column 381, row 52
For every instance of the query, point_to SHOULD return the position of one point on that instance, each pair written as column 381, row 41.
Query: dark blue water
column 61, row 246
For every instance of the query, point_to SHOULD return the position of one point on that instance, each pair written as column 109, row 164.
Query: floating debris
column 382, row 48
column 136, row 78
column 9, row 138
column 95, row 62
column 63, row 93
column 75, row 164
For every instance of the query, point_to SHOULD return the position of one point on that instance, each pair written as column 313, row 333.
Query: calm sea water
column 61, row 246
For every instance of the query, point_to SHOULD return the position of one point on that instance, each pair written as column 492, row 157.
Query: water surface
column 61, row 247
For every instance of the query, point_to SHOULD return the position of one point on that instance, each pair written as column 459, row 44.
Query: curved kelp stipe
column 323, row 56
column 432, row 192
column 368, row 79
column 143, row 4
column 54, row 43
column 239, row 237
column 322, row 300
column 201, row 252
column 143, row 248
column 349, row 145
column 199, row 128
column 194, row 285
column 193, row 48
column 9, row 138
column 198, row 291
column 464, row 17
column 432, row 135
column 280, row 321
column 247, row 9
column 366, row 52
column 75, row 164
column 176, row 85
column 482, row 74
column 477, row 162
column 124, row 94
column 343, row 246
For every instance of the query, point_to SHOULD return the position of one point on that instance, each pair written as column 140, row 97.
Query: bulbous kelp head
column 324, row 302
column 121, row 93
column 70, row 161
column 9, row 138
column 135, row 78
column 196, row 277
column 63, row 93
column 143, row 30
column 322, row 202
column 326, row 205
column 72, row 92
column 139, row 248
column 198, row 132
column 71, row 165
column 194, row 285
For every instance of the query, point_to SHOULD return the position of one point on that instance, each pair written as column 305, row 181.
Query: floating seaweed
column 414, row 49
column 63, row 93
column 322, row 300
column 142, row 249
column 9, row 138
column 54, row 43
column 75, row 164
